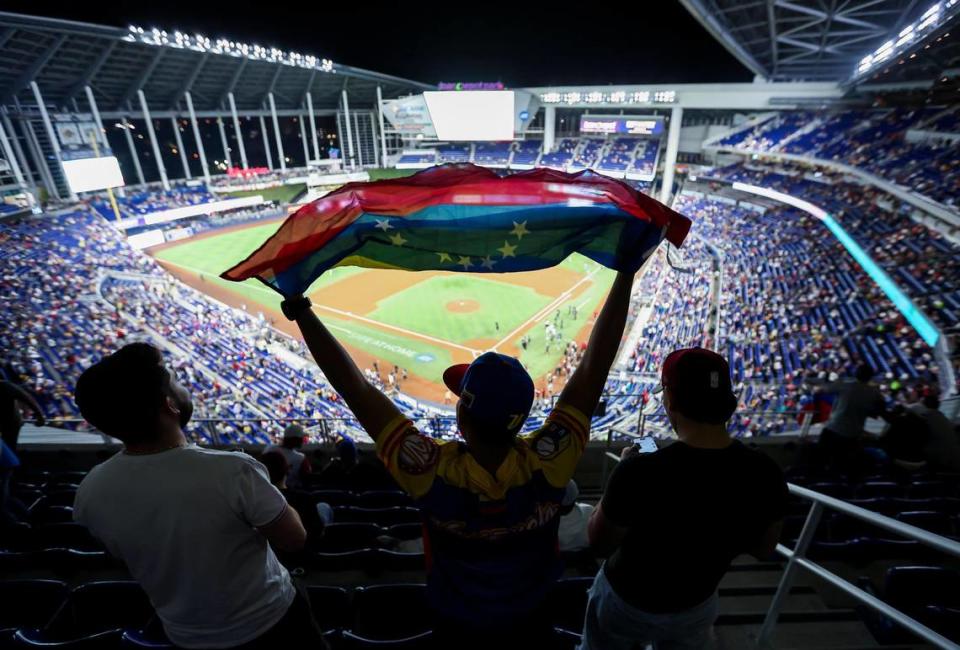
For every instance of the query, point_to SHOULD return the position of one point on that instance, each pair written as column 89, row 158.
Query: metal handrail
column 796, row 559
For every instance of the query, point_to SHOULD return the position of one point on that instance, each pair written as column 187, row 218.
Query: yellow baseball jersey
column 491, row 540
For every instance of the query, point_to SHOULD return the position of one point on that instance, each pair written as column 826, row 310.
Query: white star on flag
column 507, row 250
column 488, row 263
column 398, row 240
column 383, row 224
column 465, row 261
column 445, row 257
column 520, row 229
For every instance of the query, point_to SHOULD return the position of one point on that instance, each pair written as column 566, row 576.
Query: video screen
column 472, row 114
column 89, row 174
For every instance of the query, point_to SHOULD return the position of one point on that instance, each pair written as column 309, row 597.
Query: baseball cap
column 495, row 387
column 294, row 431
column 700, row 385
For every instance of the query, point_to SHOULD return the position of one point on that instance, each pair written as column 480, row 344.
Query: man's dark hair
column 931, row 401
column 276, row 465
column 123, row 393
column 864, row 372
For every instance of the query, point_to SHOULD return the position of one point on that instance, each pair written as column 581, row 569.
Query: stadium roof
column 63, row 56
column 813, row 40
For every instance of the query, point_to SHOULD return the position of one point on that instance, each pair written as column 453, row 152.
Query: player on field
column 491, row 503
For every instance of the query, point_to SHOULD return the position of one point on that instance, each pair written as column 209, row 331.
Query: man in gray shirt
column 856, row 400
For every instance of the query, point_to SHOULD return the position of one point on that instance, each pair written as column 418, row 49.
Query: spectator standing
column 315, row 516
column 491, row 503
column 194, row 526
column 856, row 399
column 710, row 499
column 942, row 446
column 298, row 464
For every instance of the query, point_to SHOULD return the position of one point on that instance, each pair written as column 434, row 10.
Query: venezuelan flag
column 462, row 217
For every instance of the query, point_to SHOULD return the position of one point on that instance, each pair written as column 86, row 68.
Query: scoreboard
column 643, row 125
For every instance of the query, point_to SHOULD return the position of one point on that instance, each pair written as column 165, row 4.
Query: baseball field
column 422, row 321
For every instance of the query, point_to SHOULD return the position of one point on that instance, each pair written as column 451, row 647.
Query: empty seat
column 335, row 498
column 836, row 490
column 567, row 603
column 348, row 536
column 330, row 606
column 405, row 531
column 29, row 603
column 878, row 489
column 65, row 535
column 104, row 605
column 60, row 498
column 384, row 499
column 41, row 639
column 394, row 560
column 48, row 514
column 357, row 559
column 936, row 522
column 389, row 613
column 379, row 516
column 930, row 490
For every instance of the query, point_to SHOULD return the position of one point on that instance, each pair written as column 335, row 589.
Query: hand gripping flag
column 464, row 218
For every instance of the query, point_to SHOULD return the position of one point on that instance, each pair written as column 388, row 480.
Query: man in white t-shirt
column 194, row 526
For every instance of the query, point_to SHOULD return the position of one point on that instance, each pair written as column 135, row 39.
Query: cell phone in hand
column 645, row 445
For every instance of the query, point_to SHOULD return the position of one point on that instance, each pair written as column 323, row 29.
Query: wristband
column 293, row 306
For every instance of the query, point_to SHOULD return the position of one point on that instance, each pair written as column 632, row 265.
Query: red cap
column 453, row 377
column 700, row 385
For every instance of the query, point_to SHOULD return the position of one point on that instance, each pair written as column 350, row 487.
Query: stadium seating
column 875, row 141
column 138, row 203
column 924, row 264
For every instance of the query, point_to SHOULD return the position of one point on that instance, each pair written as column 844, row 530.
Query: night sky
column 520, row 44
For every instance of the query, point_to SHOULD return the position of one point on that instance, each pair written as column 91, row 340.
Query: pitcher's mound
column 463, row 306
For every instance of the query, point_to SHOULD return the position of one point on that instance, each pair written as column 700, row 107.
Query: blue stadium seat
column 392, row 613
column 378, row 516
column 383, row 499
column 29, row 603
column 348, row 536
column 33, row 638
column 330, row 606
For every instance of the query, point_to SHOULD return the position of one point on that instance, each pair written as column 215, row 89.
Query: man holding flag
column 491, row 504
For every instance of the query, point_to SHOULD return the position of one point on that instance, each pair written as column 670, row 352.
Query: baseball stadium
column 356, row 328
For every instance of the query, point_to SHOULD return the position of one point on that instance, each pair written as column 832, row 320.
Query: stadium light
column 200, row 43
column 935, row 16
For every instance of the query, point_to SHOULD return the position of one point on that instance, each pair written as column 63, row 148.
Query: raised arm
column 373, row 409
column 586, row 384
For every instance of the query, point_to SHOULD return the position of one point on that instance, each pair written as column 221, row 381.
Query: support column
column 153, row 140
column 313, row 128
column 21, row 157
column 383, row 134
column 670, row 162
column 356, row 129
column 196, row 136
column 183, row 153
column 127, row 132
column 236, row 128
column 303, row 139
column 223, row 142
column 54, row 141
column 15, row 167
column 266, row 142
column 276, row 132
column 549, row 127
column 95, row 110
column 346, row 120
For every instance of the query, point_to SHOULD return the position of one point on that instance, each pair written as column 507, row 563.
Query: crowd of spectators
column 138, row 203
column 873, row 140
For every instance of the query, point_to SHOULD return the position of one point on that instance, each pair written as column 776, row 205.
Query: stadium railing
column 797, row 559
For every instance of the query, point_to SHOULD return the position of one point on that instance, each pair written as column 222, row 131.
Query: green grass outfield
column 421, row 308
column 281, row 193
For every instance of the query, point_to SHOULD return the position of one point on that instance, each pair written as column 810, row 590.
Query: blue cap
column 495, row 387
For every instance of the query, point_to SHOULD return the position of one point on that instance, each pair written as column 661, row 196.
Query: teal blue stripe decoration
column 917, row 319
